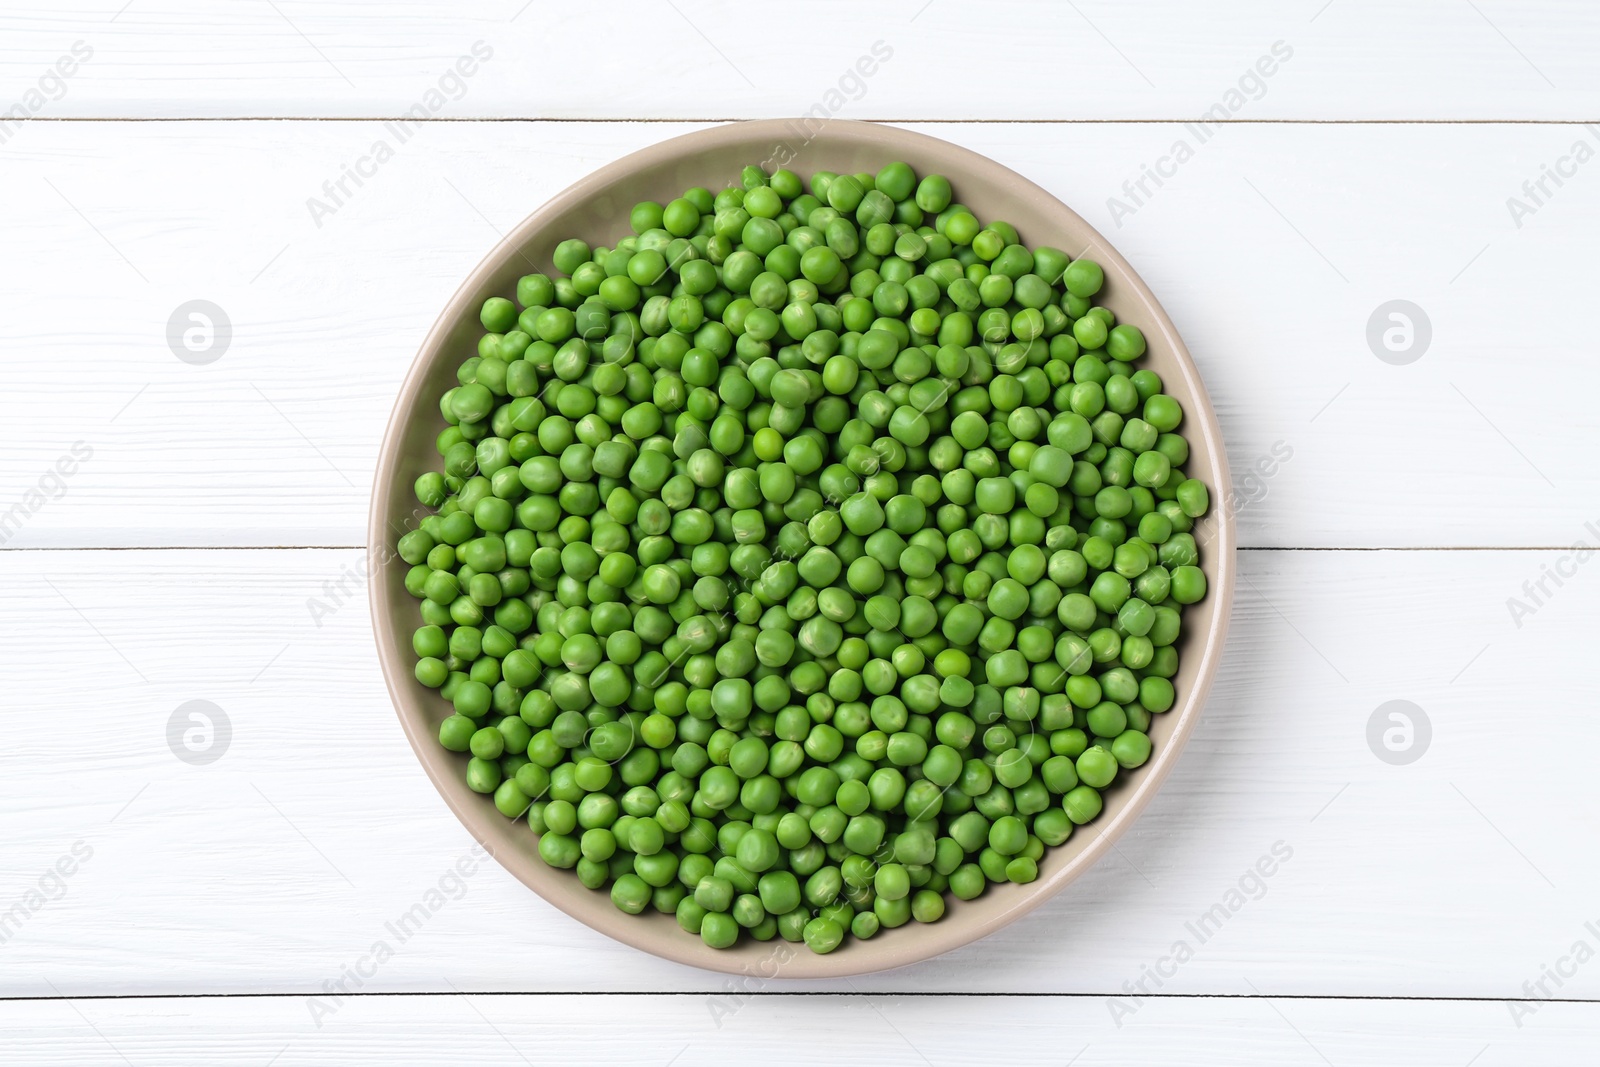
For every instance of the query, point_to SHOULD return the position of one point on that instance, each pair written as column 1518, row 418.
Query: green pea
column 823, row 935
column 1131, row 749
column 718, row 930
column 1188, row 585
column 731, row 520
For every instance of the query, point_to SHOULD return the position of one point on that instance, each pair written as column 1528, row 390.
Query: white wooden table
column 193, row 530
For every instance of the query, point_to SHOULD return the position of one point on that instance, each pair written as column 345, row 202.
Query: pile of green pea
column 806, row 558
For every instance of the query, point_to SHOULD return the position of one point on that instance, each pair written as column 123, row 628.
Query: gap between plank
column 1137, row 121
column 923, row 994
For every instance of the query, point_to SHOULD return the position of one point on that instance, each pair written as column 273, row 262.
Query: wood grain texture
column 278, row 866
column 632, row 1030
column 1271, row 247
column 714, row 58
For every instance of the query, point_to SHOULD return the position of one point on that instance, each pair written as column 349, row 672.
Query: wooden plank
column 277, row 866
column 1272, row 247
column 511, row 1030
column 911, row 59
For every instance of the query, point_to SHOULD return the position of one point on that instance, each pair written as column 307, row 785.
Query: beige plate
column 596, row 209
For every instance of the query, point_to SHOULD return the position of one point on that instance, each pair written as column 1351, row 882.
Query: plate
column 596, row 209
